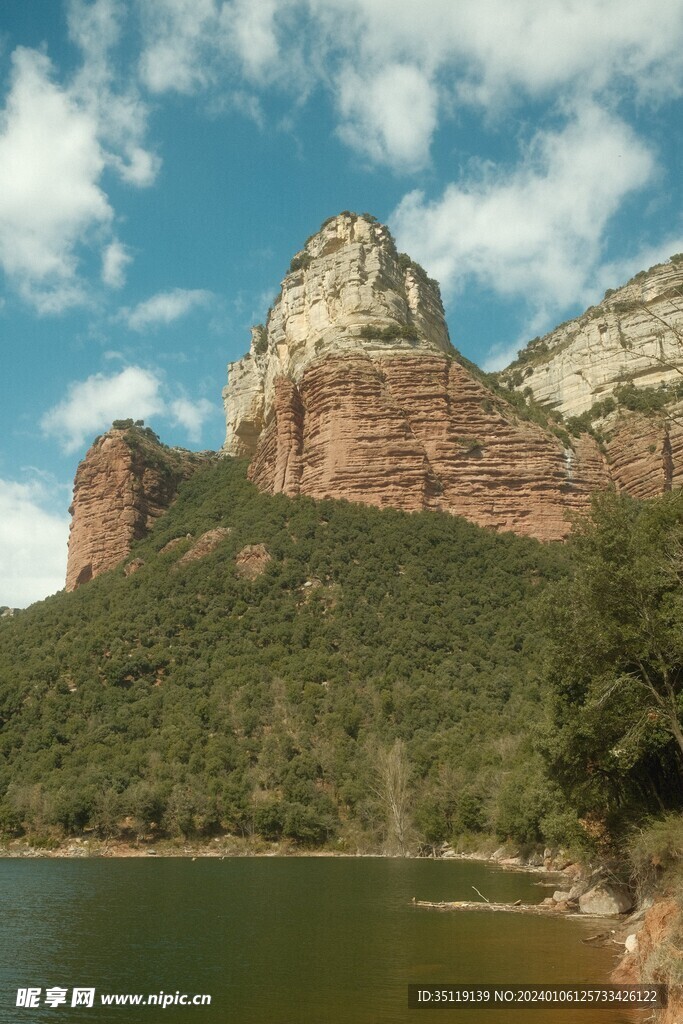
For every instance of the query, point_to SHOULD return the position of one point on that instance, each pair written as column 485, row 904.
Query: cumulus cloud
column 118, row 109
column 115, row 259
column 56, row 140
column 91, row 405
column 165, row 307
column 536, row 230
column 490, row 49
column 33, row 544
column 191, row 44
column 50, row 162
column 389, row 116
column 180, row 35
column 191, row 415
column 249, row 29
column 438, row 55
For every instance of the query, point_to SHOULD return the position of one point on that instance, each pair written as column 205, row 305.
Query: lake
column 277, row 940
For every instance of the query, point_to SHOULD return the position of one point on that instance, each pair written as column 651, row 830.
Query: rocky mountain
column 352, row 390
column 126, row 481
column 348, row 291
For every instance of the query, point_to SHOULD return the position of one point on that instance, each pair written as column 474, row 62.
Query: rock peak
column 127, row 479
column 348, row 291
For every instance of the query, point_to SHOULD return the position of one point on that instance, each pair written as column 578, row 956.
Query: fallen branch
column 510, row 908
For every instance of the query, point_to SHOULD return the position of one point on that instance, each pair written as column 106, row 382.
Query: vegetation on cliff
column 190, row 698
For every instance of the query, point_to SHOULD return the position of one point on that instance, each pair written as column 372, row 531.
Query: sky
column 162, row 160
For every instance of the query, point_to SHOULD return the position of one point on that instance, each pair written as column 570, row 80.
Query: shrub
column 301, row 261
column 656, row 848
column 260, row 336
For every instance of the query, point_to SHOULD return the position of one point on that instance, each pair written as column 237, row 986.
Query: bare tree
column 392, row 788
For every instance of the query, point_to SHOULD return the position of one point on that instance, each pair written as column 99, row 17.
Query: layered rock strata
column 645, row 453
column 351, row 391
column 126, row 481
column 419, row 432
column 635, row 333
column 348, row 291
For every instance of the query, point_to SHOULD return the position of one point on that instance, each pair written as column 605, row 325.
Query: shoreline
column 619, row 930
column 234, row 846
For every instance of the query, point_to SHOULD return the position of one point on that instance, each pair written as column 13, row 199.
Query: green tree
column 616, row 652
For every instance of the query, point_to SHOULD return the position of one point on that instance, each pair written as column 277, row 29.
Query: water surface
column 279, row 941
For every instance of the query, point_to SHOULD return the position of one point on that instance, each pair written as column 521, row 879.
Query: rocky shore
column 639, row 933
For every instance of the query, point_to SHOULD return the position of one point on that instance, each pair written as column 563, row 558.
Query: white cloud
column 33, row 544
column 119, row 112
column 115, row 259
column 390, row 116
column 439, row 55
column 95, row 27
column 191, row 44
column 178, row 35
column 191, row 415
column 535, row 231
column 91, row 405
column 165, row 307
column 489, row 48
column 249, row 29
column 56, row 140
column 50, row 162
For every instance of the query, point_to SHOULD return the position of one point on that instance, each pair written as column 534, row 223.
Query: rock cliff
column 352, row 390
column 644, row 452
column 126, row 481
column 636, row 333
column 347, row 291
column 415, row 432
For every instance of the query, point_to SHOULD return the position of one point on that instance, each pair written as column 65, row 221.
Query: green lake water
column 279, row 941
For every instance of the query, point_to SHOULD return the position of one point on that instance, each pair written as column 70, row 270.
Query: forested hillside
column 187, row 698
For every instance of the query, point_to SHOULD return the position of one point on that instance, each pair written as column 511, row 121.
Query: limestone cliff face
column 352, row 391
column 349, row 290
column 126, row 481
column 634, row 333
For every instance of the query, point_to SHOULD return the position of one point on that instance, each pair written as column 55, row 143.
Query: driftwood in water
column 510, row 908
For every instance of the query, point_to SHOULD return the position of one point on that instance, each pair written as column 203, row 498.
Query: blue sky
column 161, row 161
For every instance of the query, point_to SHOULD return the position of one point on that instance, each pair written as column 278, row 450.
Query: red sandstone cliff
column 415, row 432
column 352, row 391
column 645, row 453
column 126, row 481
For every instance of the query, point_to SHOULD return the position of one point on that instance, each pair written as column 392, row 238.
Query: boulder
column 578, row 889
column 606, row 900
column 561, row 897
